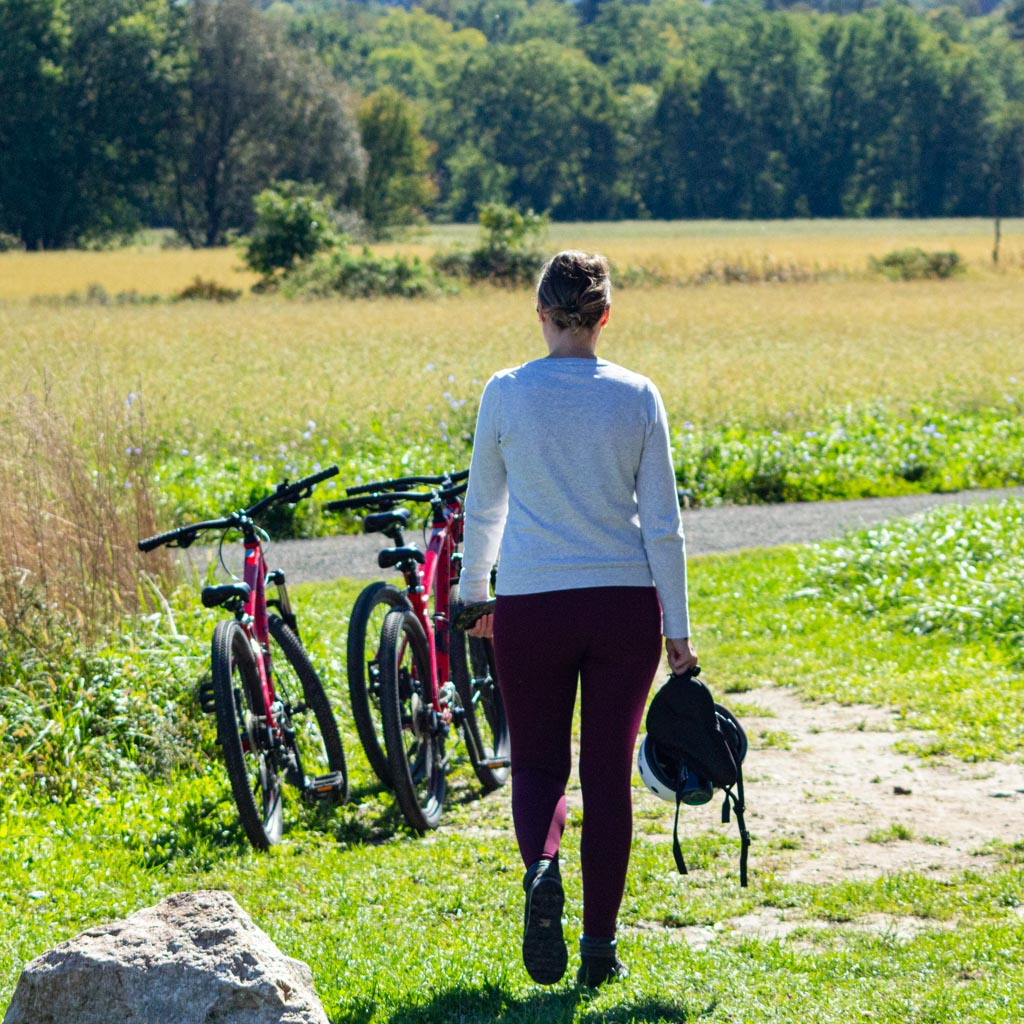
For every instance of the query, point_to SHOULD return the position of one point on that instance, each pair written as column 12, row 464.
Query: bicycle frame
column 434, row 578
column 253, row 617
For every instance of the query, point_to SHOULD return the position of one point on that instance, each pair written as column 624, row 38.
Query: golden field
column 752, row 351
column 678, row 249
column 759, row 352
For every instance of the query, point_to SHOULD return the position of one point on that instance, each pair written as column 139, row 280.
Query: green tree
column 255, row 110
column 398, row 185
column 669, row 189
column 1013, row 12
column 1005, row 178
column 638, row 43
column 88, row 95
column 548, row 118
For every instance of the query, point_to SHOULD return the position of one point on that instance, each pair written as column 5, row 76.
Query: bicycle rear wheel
column 484, row 723
column 413, row 736
column 244, row 738
column 363, row 667
column 314, row 736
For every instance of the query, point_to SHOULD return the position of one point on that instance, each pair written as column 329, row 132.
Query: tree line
column 122, row 113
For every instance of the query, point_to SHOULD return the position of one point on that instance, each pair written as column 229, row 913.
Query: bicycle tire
column 238, row 703
column 363, row 670
column 317, row 741
column 413, row 739
column 483, row 713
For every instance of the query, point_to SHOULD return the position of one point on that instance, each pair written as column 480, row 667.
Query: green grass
column 923, row 616
column 410, row 930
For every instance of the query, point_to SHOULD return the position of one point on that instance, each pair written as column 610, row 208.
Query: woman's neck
column 564, row 344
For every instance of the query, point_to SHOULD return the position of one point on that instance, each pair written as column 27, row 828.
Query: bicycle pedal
column 324, row 787
column 494, row 762
column 206, row 698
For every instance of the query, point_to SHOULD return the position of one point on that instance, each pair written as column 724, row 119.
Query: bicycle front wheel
column 363, row 668
column 413, row 736
column 243, row 734
column 314, row 736
column 483, row 713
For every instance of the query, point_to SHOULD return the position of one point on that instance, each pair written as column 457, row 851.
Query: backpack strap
column 677, row 850
column 738, row 805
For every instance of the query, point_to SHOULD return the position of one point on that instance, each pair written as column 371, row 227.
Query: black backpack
column 688, row 732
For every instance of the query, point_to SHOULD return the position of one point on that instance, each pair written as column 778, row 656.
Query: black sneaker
column 599, row 962
column 544, row 954
column 596, row 970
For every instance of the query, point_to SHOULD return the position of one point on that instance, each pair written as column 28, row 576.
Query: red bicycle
column 415, row 677
column 274, row 720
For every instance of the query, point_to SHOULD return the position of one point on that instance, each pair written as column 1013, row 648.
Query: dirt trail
column 841, row 789
column 840, row 803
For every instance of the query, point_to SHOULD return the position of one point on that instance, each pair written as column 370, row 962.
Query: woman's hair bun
column 575, row 289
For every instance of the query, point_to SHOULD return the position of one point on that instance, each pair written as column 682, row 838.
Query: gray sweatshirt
column 572, row 479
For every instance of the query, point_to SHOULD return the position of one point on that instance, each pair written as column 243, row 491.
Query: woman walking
column 572, row 479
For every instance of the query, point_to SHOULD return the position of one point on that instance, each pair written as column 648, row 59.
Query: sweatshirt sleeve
column 486, row 501
column 661, row 524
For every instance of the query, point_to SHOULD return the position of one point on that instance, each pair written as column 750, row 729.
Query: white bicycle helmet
column 656, row 774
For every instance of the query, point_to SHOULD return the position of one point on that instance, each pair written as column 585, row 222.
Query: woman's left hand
column 682, row 655
column 483, row 628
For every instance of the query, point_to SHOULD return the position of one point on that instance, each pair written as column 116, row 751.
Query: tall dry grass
column 73, row 503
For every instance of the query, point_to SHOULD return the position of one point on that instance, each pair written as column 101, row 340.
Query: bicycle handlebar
column 292, row 493
column 183, row 536
column 400, row 483
column 392, row 498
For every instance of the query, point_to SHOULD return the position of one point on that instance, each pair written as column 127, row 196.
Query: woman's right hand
column 682, row 655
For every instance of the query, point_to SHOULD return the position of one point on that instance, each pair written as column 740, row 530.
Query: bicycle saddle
column 395, row 556
column 380, row 522
column 214, row 597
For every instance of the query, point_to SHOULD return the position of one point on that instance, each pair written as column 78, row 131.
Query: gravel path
column 708, row 530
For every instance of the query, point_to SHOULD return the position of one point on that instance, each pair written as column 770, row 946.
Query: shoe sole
column 544, row 953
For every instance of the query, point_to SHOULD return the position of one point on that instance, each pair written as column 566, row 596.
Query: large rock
column 195, row 958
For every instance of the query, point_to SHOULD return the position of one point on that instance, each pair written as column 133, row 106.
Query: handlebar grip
column 463, row 474
column 161, row 538
column 453, row 492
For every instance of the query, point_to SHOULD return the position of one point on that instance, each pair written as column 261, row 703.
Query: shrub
column 293, row 224
column 746, row 271
column 361, row 275
column 209, row 291
column 914, row 264
column 9, row 242
column 507, row 253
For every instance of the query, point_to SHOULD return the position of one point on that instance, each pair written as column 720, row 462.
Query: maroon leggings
column 609, row 640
